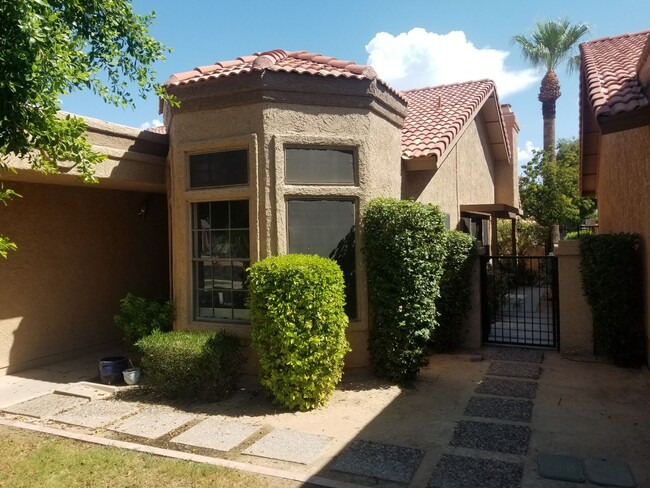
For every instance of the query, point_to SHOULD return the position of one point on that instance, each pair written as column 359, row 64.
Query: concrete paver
column 382, row 461
column 96, row 414
column 217, row 433
column 509, row 388
column 560, row 467
column 462, row 472
column 46, row 406
column 488, row 436
column 500, row 408
column 609, row 472
column 153, row 423
column 289, row 445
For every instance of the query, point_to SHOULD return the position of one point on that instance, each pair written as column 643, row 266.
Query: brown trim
column 498, row 210
column 625, row 120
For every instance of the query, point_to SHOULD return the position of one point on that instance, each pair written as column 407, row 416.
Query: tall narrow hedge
column 612, row 279
column 404, row 248
column 455, row 291
column 297, row 313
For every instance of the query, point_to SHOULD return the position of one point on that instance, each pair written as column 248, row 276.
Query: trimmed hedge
column 141, row 316
column 297, row 313
column 613, row 283
column 191, row 365
column 405, row 250
column 455, row 291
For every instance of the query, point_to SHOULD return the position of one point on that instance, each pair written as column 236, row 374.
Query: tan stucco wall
column 81, row 249
column 576, row 330
column 136, row 160
column 624, row 192
column 265, row 129
column 465, row 176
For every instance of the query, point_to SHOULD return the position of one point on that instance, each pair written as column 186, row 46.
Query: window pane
column 218, row 215
column 239, row 214
column 216, row 272
column 219, row 169
column 326, row 228
column 319, row 166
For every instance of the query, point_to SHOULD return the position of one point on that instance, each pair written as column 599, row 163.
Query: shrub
column 297, row 313
column 574, row 234
column 455, row 291
column 530, row 235
column 191, row 365
column 404, row 249
column 141, row 316
column 612, row 280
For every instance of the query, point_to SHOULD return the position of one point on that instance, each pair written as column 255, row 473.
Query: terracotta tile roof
column 301, row 62
column 610, row 68
column 161, row 129
column 438, row 114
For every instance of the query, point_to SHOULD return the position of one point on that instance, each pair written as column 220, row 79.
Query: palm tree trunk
column 548, row 113
column 549, row 92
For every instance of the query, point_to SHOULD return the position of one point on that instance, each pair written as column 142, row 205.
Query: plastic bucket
column 111, row 368
column 131, row 376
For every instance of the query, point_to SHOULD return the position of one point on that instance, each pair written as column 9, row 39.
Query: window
column 216, row 169
column 221, row 255
column 326, row 228
column 320, row 166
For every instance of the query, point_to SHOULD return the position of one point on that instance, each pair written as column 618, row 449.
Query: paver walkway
column 486, row 444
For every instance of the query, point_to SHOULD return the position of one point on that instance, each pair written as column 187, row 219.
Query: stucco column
column 472, row 330
column 576, row 329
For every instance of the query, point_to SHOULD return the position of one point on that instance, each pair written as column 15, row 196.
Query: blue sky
column 411, row 44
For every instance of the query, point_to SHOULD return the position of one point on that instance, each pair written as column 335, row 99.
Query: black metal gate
column 519, row 299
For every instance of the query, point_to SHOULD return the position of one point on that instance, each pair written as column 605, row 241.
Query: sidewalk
column 465, row 420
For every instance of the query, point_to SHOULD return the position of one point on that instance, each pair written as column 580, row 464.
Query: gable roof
column 301, row 62
column 610, row 67
column 437, row 115
column 614, row 96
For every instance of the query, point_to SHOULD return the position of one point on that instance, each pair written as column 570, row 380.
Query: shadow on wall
column 80, row 250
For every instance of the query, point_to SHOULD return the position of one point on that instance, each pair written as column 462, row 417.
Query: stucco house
column 615, row 136
column 272, row 153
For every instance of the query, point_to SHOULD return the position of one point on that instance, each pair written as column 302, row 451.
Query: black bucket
column 110, row 369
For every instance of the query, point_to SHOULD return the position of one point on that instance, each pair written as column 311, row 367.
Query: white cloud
column 151, row 124
column 527, row 153
column 417, row 59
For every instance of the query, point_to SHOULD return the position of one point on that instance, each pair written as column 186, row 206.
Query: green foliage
column 530, row 235
column 404, row 249
column 611, row 268
column 49, row 48
column 141, row 316
column 551, row 43
column 550, row 191
column 455, row 291
column 297, row 313
column 575, row 234
column 191, row 365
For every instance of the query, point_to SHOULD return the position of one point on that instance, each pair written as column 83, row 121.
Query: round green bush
column 405, row 250
column 298, row 327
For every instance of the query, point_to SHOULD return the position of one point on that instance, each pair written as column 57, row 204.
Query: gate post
column 473, row 321
column 576, row 330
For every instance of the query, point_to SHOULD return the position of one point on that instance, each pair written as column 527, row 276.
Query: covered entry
column 519, row 300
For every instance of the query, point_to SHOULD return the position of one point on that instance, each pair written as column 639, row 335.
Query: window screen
column 326, row 228
column 319, row 166
column 226, row 168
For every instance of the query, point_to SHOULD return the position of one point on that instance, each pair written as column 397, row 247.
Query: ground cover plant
column 191, row 365
column 298, row 327
column 405, row 251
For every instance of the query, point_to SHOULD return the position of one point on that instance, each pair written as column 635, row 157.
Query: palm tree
column 548, row 46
